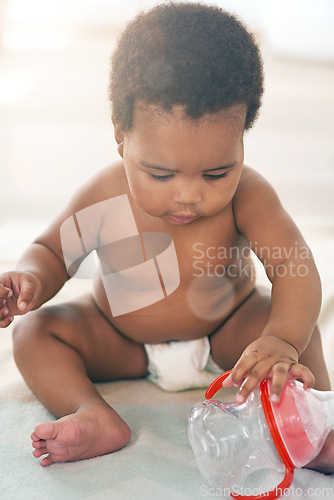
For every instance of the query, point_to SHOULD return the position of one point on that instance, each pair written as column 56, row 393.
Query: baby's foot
column 324, row 462
column 91, row 431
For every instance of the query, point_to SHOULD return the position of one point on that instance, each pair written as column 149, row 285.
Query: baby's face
column 180, row 169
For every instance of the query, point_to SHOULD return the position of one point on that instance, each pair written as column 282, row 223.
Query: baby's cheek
column 151, row 203
column 157, row 206
column 216, row 205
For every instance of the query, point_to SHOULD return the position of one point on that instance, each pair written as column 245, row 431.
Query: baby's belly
column 195, row 309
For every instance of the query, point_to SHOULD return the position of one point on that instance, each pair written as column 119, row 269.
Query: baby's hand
column 267, row 357
column 18, row 295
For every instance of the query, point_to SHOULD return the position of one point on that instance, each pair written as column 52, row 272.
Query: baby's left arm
column 296, row 289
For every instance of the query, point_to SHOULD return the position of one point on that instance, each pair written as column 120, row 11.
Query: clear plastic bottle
column 231, row 441
column 234, row 443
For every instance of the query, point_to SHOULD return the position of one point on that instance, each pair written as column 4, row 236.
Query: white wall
column 55, row 128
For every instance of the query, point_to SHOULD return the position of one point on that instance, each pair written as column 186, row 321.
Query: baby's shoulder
column 254, row 188
column 250, row 178
column 255, row 199
column 108, row 183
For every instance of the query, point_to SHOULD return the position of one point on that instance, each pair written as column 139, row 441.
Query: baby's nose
column 187, row 193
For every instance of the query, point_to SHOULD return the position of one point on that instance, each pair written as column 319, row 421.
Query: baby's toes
column 38, row 444
column 39, row 452
column 46, row 461
column 34, row 437
column 44, row 431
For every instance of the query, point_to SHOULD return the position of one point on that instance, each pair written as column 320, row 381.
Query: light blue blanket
column 157, row 464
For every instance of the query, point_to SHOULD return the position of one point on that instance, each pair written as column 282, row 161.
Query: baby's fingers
column 303, row 373
column 6, row 321
column 254, row 376
column 27, row 294
column 241, row 369
column 5, row 293
column 5, row 318
column 279, row 374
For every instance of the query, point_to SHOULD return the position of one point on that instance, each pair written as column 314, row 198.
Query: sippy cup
column 234, row 444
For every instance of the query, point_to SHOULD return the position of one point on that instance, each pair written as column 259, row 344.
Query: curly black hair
column 188, row 54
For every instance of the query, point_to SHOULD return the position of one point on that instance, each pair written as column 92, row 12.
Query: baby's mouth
column 182, row 218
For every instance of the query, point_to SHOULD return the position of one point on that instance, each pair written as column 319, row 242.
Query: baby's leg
column 60, row 350
column 246, row 325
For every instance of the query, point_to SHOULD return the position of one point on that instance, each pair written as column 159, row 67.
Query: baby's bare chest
column 207, row 248
column 182, row 280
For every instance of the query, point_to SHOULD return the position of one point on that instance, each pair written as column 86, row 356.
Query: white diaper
column 181, row 365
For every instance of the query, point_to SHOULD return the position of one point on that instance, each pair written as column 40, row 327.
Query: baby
column 173, row 224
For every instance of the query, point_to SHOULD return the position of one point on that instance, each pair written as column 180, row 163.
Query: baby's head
column 186, row 82
column 185, row 54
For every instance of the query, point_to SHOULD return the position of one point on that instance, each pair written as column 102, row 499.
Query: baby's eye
column 212, row 177
column 160, row 177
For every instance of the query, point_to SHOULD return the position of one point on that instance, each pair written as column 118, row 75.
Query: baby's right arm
column 39, row 276
column 41, row 272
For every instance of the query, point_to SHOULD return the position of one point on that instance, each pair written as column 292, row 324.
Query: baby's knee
column 30, row 329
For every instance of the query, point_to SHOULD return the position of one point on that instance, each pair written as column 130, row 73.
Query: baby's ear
column 119, row 137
